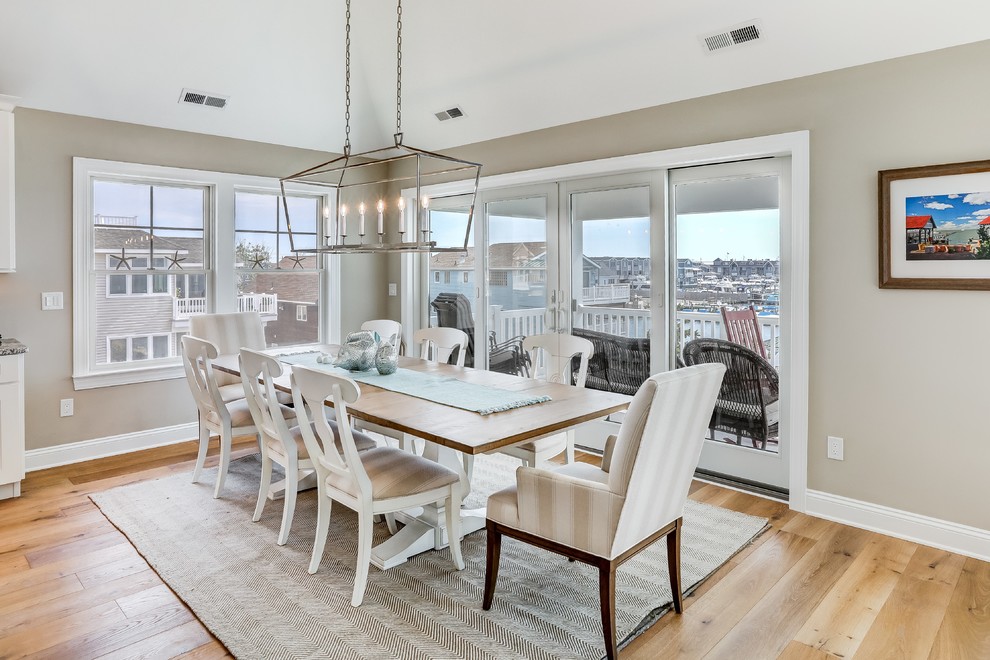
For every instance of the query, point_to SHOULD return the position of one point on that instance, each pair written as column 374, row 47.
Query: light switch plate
column 51, row 300
column 393, row 289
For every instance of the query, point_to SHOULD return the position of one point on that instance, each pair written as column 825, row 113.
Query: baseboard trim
column 954, row 537
column 87, row 450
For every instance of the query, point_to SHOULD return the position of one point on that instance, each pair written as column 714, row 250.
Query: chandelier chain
column 347, row 82
column 398, row 72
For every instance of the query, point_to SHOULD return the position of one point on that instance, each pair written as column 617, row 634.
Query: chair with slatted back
column 440, row 344
column 743, row 327
column 281, row 438
column 229, row 333
column 552, row 357
column 225, row 418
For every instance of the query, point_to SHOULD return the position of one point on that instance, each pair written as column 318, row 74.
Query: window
column 436, row 276
column 498, row 278
column 269, row 274
column 143, row 264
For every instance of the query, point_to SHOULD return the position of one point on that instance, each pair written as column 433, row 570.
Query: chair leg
column 674, row 565
column 204, row 445
column 606, row 591
column 452, row 507
column 494, row 547
column 570, row 447
column 291, row 490
column 363, row 558
column 324, row 505
column 266, row 482
column 224, row 461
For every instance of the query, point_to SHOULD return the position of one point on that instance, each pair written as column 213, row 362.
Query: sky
column 954, row 211
column 740, row 234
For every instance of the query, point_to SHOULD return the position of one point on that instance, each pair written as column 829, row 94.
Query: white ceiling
column 511, row 65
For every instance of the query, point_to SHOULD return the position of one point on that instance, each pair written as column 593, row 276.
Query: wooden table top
column 465, row 430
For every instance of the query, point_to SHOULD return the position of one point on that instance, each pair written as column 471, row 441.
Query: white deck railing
column 609, row 293
column 265, row 304
column 630, row 323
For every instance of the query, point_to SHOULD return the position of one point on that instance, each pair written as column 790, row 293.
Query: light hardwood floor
column 71, row 586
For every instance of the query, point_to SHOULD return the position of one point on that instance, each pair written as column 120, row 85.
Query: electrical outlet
column 835, row 448
column 65, row 408
column 393, row 289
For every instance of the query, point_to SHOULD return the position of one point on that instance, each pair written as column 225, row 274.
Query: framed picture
column 935, row 227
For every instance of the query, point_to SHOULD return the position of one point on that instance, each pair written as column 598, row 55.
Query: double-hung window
column 156, row 246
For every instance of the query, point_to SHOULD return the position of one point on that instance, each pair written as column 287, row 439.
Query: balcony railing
column 630, row 323
column 609, row 293
column 265, row 304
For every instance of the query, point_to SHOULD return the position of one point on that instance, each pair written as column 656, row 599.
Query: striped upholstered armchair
column 634, row 499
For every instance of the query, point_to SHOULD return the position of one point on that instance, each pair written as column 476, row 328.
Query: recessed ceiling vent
column 737, row 35
column 203, row 98
column 452, row 113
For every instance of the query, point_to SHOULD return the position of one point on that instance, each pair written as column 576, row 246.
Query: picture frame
column 934, row 224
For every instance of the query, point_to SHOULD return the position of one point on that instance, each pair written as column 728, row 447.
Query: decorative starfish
column 258, row 261
column 174, row 261
column 122, row 260
column 297, row 262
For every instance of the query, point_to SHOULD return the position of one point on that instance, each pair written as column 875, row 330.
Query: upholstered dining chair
column 603, row 516
column 226, row 418
column 281, row 439
column 229, row 333
column 377, row 481
column 552, row 356
column 438, row 344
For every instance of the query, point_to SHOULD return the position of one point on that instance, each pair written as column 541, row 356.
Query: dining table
column 451, row 432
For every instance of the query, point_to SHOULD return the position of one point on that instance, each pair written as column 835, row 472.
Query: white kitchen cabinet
column 11, row 419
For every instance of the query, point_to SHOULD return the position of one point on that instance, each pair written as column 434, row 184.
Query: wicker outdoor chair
column 748, row 402
column 619, row 364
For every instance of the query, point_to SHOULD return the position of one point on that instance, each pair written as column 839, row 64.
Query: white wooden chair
column 438, row 344
column 385, row 328
column 281, row 439
column 377, row 481
column 551, row 356
column 226, row 418
column 603, row 516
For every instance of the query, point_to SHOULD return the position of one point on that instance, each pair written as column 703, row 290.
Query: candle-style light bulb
column 381, row 216
column 425, row 225
column 402, row 217
column 361, row 212
column 343, row 219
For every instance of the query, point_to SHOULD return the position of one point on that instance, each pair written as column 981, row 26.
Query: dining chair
column 229, row 333
column 385, row 329
column 604, row 516
column 226, row 418
column 742, row 327
column 377, row 481
column 438, row 344
column 552, row 356
column 281, row 438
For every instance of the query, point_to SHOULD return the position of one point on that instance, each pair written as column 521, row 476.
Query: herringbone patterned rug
column 258, row 599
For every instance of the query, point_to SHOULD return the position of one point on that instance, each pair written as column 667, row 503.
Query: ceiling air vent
column 734, row 36
column 203, row 98
column 452, row 113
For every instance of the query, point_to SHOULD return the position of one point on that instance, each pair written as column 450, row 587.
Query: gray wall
column 899, row 374
column 45, row 144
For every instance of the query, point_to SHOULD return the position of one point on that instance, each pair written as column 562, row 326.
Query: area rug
column 258, row 599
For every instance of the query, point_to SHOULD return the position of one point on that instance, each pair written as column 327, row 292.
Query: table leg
column 277, row 490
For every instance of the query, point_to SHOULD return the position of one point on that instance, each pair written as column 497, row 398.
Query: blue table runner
column 482, row 399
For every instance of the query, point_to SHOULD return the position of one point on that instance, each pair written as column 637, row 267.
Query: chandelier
column 367, row 211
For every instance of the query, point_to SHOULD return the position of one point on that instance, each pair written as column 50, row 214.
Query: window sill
column 97, row 380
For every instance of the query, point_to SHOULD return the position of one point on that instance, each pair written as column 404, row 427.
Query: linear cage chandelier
column 363, row 181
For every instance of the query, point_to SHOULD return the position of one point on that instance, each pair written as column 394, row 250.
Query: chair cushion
column 395, row 473
column 361, row 441
column 503, row 506
column 231, row 392
column 240, row 414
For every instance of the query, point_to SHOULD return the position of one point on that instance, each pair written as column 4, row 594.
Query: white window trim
column 794, row 375
column 219, row 266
